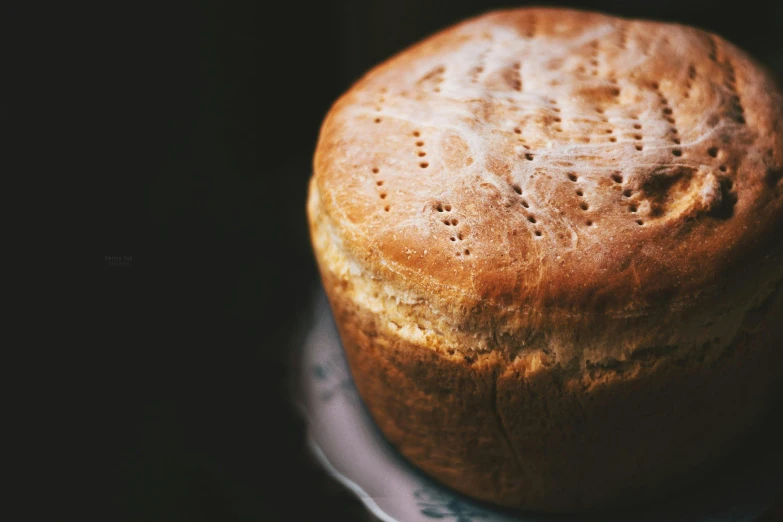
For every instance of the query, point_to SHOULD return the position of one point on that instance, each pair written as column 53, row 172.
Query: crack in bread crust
column 502, row 426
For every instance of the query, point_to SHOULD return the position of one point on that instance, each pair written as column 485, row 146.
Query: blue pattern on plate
column 332, row 375
column 437, row 504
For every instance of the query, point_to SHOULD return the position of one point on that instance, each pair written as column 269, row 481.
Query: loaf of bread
column 552, row 241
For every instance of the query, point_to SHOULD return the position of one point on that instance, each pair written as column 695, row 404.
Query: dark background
column 206, row 116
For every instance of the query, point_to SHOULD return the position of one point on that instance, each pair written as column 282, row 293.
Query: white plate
column 346, row 441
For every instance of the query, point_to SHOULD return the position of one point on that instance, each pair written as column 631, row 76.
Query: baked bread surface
column 552, row 243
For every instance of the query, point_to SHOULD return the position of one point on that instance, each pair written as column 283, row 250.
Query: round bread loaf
column 553, row 245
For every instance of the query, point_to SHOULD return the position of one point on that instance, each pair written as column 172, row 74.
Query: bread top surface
column 557, row 158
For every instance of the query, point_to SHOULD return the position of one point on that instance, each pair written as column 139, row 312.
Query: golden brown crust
column 573, row 91
column 512, row 328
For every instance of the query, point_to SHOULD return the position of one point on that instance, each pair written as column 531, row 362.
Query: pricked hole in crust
column 454, row 222
column 424, row 164
column 525, row 204
column 637, row 136
column 422, row 154
column 439, row 207
column 558, row 120
column 448, row 208
column 419, row 143
column 580, row 193
column 459, row 236
column 589, row 223
column 517, row 130
column 467, row 252
column 377, row 120
column 584, row 206
column 573, row 177
column 386, row 208
column 627, row 193
column 608, row 131
column 375, row 170
column 677, row 152
column 517, row 188
column 532, row 219
column 538, row 233
column 632, row 208
column 613, row 139
column 452, row 238
column 379, row 183
column 639, row 222
column 617, row 177
column 667, row 110
column 528, row 156
column 723, row 168
column 713, row 151
column 383, row 195
column 416, row 134
column 676, row 141
column 639, row 148
column 637, row 126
